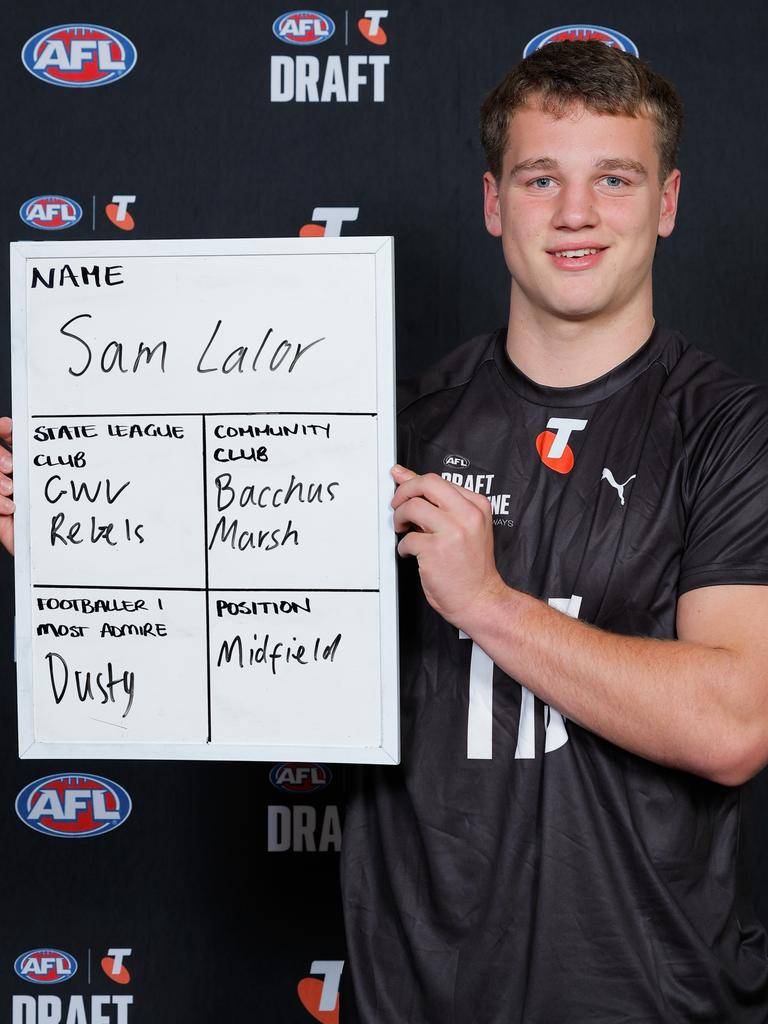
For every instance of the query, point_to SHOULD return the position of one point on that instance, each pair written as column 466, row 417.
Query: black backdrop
column 220, row 926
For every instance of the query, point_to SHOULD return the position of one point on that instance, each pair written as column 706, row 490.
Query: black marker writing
column 105, row 683
column 76, row 461
column 281, row 607
column 54, row 492
column 294, row 491
column 276, row 653
column 144, row 430
column 90, row 606
column 88, row 276
column 133, row 629
column 235, row 359
column 112, row 355
column 49, row 629
column 226, row 532
column 224, row 430
column 65, row 432
column 244, row 454
column 106, row 533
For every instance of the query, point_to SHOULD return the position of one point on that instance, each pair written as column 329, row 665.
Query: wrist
column 494, row 607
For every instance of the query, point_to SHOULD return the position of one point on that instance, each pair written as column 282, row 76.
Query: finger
column 442, row 493
column 6, row 485
column 6, row 430
column 7, row 507
column 416, row 512
column 414, row 544
column 400, row 474
column 478, row 500
column 6, row 533
column 6, row 461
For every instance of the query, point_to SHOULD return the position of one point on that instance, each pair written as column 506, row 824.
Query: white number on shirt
column 480, row 716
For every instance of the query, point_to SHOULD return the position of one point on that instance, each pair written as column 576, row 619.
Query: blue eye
column 542, row 182
column 613, row 181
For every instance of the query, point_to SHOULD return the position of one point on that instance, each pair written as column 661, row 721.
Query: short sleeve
column 726, row 494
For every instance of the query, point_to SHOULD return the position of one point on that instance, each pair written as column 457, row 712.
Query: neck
column 564, row 353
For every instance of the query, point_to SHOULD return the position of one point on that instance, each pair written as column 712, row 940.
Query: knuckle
column 484, row 507
column 457, row 537
column 475, row 518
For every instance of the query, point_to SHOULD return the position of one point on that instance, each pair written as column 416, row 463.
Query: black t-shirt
column 551, row 877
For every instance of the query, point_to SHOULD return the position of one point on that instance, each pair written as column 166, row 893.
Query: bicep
column 733, row 620
column 733, row 617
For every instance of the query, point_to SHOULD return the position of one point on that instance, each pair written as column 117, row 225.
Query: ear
column 491, row 205
column 669, row 196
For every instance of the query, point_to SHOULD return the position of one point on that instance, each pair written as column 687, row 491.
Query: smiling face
column 578, row 207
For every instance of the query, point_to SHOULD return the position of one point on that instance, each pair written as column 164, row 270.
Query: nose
column 575, row 209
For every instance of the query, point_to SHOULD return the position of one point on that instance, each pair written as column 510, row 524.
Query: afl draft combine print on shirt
column 517, row 867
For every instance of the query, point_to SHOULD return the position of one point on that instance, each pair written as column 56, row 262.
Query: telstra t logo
column 321, row 998
column 333, row 216
column 113, row 966
column 370, row 27
column 552, row 443
column 117, row 211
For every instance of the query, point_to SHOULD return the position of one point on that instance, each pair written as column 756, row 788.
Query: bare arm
column 699, row 703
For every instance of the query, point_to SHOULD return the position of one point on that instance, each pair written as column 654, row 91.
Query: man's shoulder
column 722, row 418
column 704, row 391
column 453, row 371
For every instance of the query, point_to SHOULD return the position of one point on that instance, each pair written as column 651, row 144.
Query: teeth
column 571, row 253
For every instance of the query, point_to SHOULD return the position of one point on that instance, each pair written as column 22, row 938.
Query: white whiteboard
column 205, row 562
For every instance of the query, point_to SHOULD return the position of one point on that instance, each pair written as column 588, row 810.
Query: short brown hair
column 602, row 78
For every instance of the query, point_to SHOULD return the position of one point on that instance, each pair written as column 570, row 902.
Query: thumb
column 400, row 474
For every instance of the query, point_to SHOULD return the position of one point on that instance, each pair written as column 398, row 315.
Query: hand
column 7, row 507
column 449, row 531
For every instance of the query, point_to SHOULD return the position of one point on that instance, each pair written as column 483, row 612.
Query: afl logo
column 45, row 966
column 303, row 28
column 456, row 460
column 582, row 33
column 73, row 806
column 50, row 213
column 292, row 777
column 79, row 56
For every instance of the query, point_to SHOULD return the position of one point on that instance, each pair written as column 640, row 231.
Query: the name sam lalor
column 217, row 355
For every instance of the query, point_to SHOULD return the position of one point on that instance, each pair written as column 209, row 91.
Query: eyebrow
column 546, row 163
column 621, row 164
column 543, row 163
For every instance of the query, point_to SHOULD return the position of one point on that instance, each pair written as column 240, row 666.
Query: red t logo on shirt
column 552, row 443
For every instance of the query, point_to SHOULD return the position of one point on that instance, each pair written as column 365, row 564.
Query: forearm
column 699, row 703
column 675, row 702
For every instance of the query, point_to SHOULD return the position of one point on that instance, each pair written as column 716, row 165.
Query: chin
column 576, row 310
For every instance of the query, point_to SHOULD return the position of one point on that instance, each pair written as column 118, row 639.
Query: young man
column 584, row 677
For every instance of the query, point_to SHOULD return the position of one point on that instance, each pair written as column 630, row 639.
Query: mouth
column 577, row 258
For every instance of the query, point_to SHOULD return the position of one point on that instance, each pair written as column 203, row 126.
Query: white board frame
column 382, row 251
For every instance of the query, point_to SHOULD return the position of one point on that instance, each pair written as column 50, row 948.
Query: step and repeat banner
column 158, row 891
